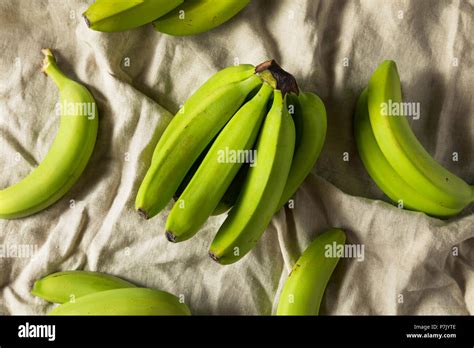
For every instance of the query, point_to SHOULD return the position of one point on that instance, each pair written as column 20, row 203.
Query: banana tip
column 47, row 52
column 143, row 213
column 36, row 291
column 213, row 256
column 88, row 22
column 170, row 236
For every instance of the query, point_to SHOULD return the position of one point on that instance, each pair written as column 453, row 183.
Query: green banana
column 68, row 155
column 304, row 288
column 198, row 16
column 215, row 174
column 230, row 196
column 189, row 175
column 383, row 174
column 223, row 77
column 66, row 286
column 262, row 188
column 223, row 205
column 311, row 124
column 125, row 302
column 232, row 193
column 120, row 15
column 402, row 149
column 220, row 79
column 183, row 142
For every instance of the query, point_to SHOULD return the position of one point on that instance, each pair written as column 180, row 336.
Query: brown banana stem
column 285, row 82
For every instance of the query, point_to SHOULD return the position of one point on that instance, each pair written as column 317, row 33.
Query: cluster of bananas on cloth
column 94, row 293
column 226, row 116
column 394, row 157
column 248, row 137
column 242, row 144
column 173, row 17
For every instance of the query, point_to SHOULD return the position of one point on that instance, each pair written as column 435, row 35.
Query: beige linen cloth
column 413, row 264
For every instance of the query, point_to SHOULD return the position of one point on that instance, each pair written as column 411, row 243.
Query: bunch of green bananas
column 394, row 158
column 241, row 109
column 94, row 293
column 68, row 155
column 173, row 17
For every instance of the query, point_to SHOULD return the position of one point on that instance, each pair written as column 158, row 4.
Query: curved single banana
column 383, row 174
column 186, row 140
column 304, row 288
column 68, row 155
column 120, row 15
column 198, row 16
column 127, row 302
column 215, row 173
column 311, row 124
column 220, row 79
column 262, row 189
column 402, row 149
column 66, row 286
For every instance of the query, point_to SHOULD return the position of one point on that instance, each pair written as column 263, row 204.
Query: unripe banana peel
column 67, row 286
column 95, row 293
column 395, row 159
column 305, row 286
column 262, row 189
column 186, row 137
column 120, row 15
column 213, row 177
column 173, row 17
column 198, row 16
column 124, row 302
column 68, row 155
